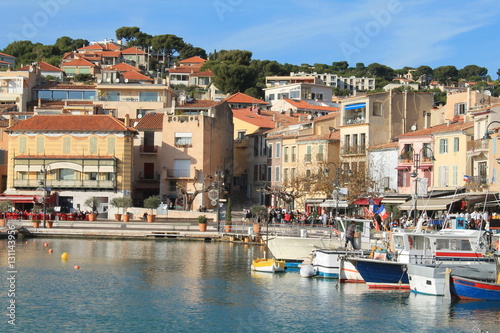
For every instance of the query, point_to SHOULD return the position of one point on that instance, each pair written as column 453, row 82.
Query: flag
column 472, row 151
column 382, row 212
column 466, row 178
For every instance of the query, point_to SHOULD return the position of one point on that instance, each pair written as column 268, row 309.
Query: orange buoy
column 77, row 267
column 46, row 244
column 50, row 250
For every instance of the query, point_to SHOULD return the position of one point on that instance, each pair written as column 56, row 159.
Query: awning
column 368, row 201
column 395, row 199
column 402, row 167
column 425, row 167
column 355, row 106
column 19, row 198
column 334, row 204
column 429, row 203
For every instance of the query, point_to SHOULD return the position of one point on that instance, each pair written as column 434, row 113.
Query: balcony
column 478, row 145
column 179, row 173
column 148, row 149
column 353, row 150
column 354, row 120
column 149, row 177
column 66, row 184
column 476, row 183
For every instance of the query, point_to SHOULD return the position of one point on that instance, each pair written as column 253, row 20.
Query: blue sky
column 396, row 33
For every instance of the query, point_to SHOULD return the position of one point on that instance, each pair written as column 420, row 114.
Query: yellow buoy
column 64, row 256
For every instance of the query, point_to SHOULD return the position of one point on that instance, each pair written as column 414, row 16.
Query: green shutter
column 40, row 145
column 111, row 145
column 22, row 145
column 67, row 145
column 93, row 145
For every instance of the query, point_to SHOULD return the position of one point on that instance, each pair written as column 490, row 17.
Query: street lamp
column 44, row 170
column 416, row 165
column 219, row 174
column 487, row 133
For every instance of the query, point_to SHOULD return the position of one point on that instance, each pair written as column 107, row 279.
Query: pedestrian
column 349, row 235
column 324, row 219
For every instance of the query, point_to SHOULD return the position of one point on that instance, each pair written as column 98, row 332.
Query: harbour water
column 191, row 286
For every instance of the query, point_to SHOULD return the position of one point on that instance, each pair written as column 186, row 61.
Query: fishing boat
column 295, row 243
column 332, row 264
column 454, row 245
column 476, row 289
column 268, row 265
column 433, row 279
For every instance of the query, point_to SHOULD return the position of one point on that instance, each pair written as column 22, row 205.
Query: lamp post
column 219, row 174
column 44, row 169
column 487, row 133
column 414, row 174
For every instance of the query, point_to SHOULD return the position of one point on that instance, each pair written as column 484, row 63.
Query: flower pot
column 256, row 228
column 126, row 218
column 118, row 217
column 49, row 224
column 36, row 224
column 202, row 226
column 2, row 222
column 151, row 218
column 227, row 228
column 92, row 217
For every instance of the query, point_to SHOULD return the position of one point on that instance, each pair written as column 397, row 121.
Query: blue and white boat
column 332, row 264
column 477, row 289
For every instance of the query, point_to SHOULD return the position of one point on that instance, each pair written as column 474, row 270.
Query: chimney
column 11, row 121
column 39, row 102
column 127, row 120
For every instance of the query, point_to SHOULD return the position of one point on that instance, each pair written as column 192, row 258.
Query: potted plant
column 152, row 203
column 124, row 203
column 92, row 203
column 49, row 223
column 36, row 224
column 4, row 208
column 202, row 222
column 260, row 213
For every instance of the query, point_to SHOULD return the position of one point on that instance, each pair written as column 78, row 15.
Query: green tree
column 340, row 66
column 239, row 57
column 472, row 73
column 380, row 71
column 127, row 33
column 232, row 78
column 168, row 45
column 446, row 74
column 189, row 51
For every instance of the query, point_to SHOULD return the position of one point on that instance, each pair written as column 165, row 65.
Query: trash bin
column 250, row 230
column 303, row 233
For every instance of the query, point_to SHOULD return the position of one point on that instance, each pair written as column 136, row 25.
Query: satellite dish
column 310, row 117
column 139, row 115
column 126, row 80
column 108, row 79
column 414, row 127
column 117, row 80
column 99, row 80
column 31, row 69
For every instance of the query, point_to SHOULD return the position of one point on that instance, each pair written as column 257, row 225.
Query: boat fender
column 496, row 245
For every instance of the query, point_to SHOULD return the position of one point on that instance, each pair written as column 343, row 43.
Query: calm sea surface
column 190, row 286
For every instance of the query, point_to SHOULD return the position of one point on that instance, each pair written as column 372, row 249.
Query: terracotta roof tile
column 111, row 54
column 56, row 86
column 439, row 129
column 253, row 118
column 43, row 66
column 74, row 123
column 204, row 73
column 151, row 122
column 6, row 55
column 244, row 98
column 78, row 62
column 184, row 69
column 133, row 50
column 91, row 47
column 123, row 67
column 385, row 146
column 4, row 62
column 300, row 104
column 135, row 76
column 194, row 59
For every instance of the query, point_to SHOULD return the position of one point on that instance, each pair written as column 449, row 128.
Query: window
column 286, row 154
column 320, row 156
column 241, row 135
column 443, row 176
column 459, row 109
column 148, row 96
column 277, row 173
column 183, row 139
column 2, row 156
column 285, row 175
column 66, row 174
column 307, row 156
column 256, row 146
column 93, row 145
column 456, row 144
column 66, row 145
column 262, row 147
column 377, row 109
column 111, row 145
column 40, row 145
column 455, row 175
column 182, row 168
column 294, row 153
column 270, row 151
column 269, row 174
column 443, row 146
column 293, row 173
column 278, row 150
column 22, row 145
column 75, row 94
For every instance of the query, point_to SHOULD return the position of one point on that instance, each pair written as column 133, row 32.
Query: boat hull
column 299, row 248
column 382, row 274
column 471, row 289
column 332, row 264
column 268, row 265
column 431, row 279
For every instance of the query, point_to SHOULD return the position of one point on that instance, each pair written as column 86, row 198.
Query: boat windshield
column 453, row 244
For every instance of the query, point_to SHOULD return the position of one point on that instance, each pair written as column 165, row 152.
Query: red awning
column 425, row 167
column 52, row 199
column 402, row 167
column 366, row 201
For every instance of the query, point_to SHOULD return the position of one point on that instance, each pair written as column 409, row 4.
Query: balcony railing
column 66, row 184
column 478, row 145
column 354, row 150
column 476, row 182
column 354, row 120
column 149, row 149
column 178, row 173
column 152, row 177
